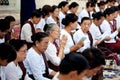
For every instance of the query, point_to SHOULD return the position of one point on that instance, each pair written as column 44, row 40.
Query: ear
column 36, row 43
column 70, row 23
column 73, row 75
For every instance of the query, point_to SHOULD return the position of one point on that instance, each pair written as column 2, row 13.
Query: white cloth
column 61, row 16
column 96, row 34
column 118, row 21
column 41, row 25
column 2, row 73
column 26, row 32
column 35, row 65
column 51, row 54
column 86, row 78
column 69, row 42
column 97, row 9
column 78, row 35
column 106, row 29
column 56, row 76
column 50, row 20
column 14, row 72
column 2, row 40
column 84, row 13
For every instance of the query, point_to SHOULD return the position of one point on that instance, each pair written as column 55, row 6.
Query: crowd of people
column 56, row 43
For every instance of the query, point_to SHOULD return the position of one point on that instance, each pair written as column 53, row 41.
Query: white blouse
column 40, row 25
column 69, row 42
column 96, row 34
column 2, row 73
column 82, row 14
column 78, row 35
column 26, row 32
column 106, row 29
column 51, row 54
column 61, row 16
column 35, row 65
column 50, row 20
column 14, row 72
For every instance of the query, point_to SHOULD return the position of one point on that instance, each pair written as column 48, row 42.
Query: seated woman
column 54, row 53
column 73, row 67
column 14, row 70
column 7, row 54
column 35, row 62
column 96, row 61
column 70, row 22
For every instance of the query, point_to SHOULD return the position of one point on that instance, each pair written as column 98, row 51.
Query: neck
column 16, row 61
column 36, row 49
column 51, row 39
column 107, row 19
column 67, row 29
column 63, row 77
column 63, row 12
column 87, row 10
column 54, row 18
column 95, row 23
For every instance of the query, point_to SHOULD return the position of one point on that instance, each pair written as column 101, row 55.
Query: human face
column 90, row 9
column 56, row 12
column 42, row 45
column 65, row 8
column 36, row 20
column 12, row 24
column 110, row 17
column 74, row 25
column 2, row 34
column 115, row 14
column 3, row 62
column 21, row 54
column 85, row 25
column 93, row 71
column 56, row 33
column 99, row 22
column 74, row 10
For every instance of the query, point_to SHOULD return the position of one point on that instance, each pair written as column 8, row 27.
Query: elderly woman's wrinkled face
column 56, row 32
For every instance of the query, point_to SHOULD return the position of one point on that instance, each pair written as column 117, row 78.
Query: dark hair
column 4, row 25
column 84, row 18
column 73, row 5
column 119, row 6
column 38, row 36
column 46, row 9
column 72, row 62
column 115, row 8
column 109, row 1
column 10, row 18
column 53, row 8
column 7, row 52
column 101, row 3
column 36, row 13
column 97, row 15
column 69, row 18
column 94, row 56
column 62, row 4
column 17, row 44
column 108, row 11
column 90, row 4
